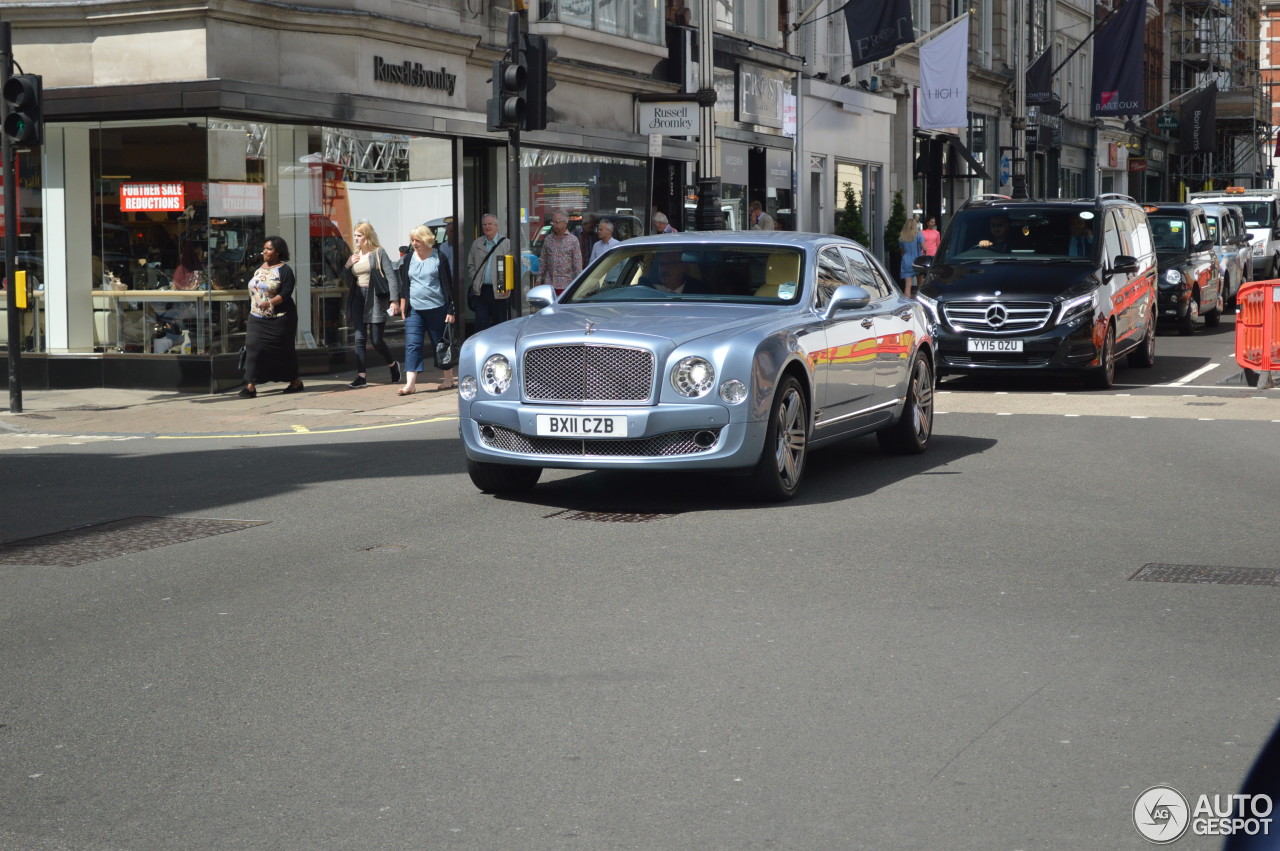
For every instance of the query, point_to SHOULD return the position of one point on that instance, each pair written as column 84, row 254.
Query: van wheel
column 1187, row 321
column 1104, row 376
column 1144, row 356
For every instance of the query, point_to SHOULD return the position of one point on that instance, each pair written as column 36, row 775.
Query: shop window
column 588, row 187
column 642, row 20
column 30, row 255
column 181, row 211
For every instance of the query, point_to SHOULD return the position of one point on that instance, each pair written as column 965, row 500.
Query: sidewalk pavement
column 327, row 404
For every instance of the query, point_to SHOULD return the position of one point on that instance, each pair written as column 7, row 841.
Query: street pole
column 10, row 235
column 515, row 299
column 1019, row 122
column 709, row 215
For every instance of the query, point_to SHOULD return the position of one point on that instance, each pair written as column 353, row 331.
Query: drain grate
column 1200, row 574
column 113, row 538
column 609, row 516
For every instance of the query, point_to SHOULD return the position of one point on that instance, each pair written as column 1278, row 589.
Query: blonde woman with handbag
column 374, row 295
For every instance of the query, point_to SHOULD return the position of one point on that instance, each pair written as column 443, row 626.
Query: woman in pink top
column 931, row 236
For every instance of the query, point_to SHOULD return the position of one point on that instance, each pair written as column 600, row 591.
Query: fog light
column 733, row 391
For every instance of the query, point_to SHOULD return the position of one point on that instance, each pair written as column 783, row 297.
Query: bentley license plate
column 581, row 426
column 981, row 345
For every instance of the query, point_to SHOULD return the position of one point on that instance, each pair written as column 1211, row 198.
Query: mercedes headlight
column 930, row 308
column 1079, row 306
column 1173, row 277
column 693, row 377
column 495, row 376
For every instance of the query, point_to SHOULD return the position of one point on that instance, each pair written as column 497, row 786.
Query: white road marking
column 1188, row 378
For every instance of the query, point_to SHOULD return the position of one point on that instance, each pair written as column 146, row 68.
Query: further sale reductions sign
column 152, row 197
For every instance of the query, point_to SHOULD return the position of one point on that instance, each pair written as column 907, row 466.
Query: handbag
column 378, row 278
column 447, row 349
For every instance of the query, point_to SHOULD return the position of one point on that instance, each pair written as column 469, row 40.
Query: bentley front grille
column 998, row 317
column 579, row 373
column 658, row 446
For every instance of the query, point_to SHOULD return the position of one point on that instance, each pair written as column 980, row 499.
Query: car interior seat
column 782, row 268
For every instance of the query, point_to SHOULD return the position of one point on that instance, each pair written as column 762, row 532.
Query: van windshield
column 1257, row 214
column 1023, row 232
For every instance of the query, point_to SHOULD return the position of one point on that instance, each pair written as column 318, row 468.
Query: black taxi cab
column 1190, row 282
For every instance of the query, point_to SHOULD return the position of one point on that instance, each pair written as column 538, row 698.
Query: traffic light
column 509, row 104
column 538, row 54
column 23, row 122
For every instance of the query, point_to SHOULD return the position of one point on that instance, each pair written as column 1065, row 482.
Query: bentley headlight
column 693, row 377
column 1173, row 277
column 467, row 387
column 495, row 377
column 1079, row 306
column 733, row 391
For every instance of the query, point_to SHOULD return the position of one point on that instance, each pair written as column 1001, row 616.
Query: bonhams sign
column 670, row 118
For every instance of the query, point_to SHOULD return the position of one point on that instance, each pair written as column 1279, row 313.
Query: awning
column 954, row 142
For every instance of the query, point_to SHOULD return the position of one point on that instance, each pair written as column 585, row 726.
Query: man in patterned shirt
column 561, row 259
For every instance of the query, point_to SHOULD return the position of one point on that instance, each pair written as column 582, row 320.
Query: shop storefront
column 756, row 156
column 143, row 215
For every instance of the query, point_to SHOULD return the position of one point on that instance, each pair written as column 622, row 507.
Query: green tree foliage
column 849, row 224
column 893, row 227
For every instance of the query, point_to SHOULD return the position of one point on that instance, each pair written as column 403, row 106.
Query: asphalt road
column 944, row 651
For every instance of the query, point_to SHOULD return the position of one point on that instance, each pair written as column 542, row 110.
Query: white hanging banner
column 944, row 80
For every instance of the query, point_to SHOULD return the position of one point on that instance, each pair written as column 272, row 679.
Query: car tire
column 1144, row 356
column 502, row 478
column 1213, row 317
column 776, row 476
column 1103, row 376
column 910, row 434
column 1275, row 268
column 1187, row 321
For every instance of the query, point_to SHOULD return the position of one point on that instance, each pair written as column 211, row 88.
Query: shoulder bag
column 447, row 349
column 378, row 278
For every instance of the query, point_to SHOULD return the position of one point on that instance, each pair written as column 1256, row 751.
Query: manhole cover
column 113, row 538
column 1200, row 574
column 608, row 516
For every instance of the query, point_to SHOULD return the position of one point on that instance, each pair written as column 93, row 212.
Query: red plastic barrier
column 1258, row 326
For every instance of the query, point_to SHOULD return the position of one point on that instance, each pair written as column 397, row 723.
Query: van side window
column 1111, row 239
column 1141, row 234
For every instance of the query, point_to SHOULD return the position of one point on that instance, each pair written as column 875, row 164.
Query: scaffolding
column 1218, row 40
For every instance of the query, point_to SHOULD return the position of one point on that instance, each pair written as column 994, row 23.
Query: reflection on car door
column 848, row 372
column 892, row 315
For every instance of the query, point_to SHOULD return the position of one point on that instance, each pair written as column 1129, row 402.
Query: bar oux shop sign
column 670, row 118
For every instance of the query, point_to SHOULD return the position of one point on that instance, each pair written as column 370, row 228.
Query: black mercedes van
column 1045, row 286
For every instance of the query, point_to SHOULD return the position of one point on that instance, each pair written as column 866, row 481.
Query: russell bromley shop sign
column 413, row 74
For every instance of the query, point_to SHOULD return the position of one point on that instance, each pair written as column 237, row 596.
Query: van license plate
column 995, row 345
column 581, row 426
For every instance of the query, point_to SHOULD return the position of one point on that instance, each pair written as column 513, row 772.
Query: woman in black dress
column 270, row 353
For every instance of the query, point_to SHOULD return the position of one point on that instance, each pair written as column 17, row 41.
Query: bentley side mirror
column 848, row 297
column 543, row 295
